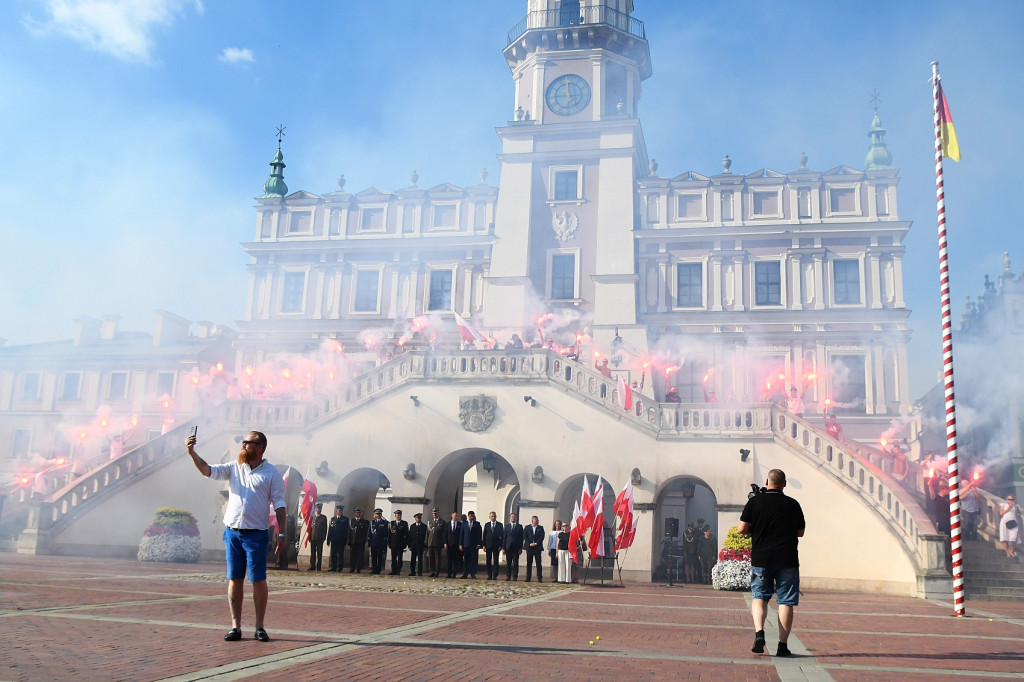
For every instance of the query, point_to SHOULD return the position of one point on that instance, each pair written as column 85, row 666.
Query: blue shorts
column 785, row 582
column 246, row 549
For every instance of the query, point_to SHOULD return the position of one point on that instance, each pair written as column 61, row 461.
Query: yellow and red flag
column 950, row 146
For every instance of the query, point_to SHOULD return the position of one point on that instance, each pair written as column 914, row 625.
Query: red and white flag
column 468, row 333
column 574, row 534
column 586, row 508
column 596, row 539
column 306, row 507
column 623, row 508
column 273, row 512
column 625, row 394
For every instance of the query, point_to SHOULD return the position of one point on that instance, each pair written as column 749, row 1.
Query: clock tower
column 570, row 161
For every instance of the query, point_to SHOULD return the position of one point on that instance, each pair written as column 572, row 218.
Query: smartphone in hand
column 193, row 431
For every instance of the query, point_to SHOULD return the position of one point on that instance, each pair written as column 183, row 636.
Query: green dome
column 878, row 157
column 274, row 186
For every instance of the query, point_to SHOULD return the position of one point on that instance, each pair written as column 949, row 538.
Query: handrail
column 588, row 16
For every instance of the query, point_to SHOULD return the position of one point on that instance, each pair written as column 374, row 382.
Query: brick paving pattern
column 94, row 619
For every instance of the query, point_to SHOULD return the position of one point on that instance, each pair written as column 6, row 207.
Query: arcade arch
column 680, row 500
column 360, row 488
column 473, row 478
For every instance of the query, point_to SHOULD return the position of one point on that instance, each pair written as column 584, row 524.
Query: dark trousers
column 493, row 562
column 415, row 561
column 357, row 558
column 377, row 557
column 453, row 561
column 316, row 556
column 396, row 560
column 512, row 564
column 434, row 561
column 337, row 556
column 470, row 558
column 533, row 557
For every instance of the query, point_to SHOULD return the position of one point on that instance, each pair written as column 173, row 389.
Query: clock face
column 568, row 95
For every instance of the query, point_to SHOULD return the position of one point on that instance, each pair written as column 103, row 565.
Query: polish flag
column 623, row 509
column 596, row 539
column 306, row 507
column 574, row 534
column 586, row 507
column 625, row 394
column 273, row 512
column 469, row 334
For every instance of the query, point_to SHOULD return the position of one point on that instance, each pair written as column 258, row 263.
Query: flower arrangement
column 173, row 536
column 732, row 572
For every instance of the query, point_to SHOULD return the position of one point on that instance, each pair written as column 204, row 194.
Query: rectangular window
column 566, row 185
column 118, row 388
column 372, row 220
column 691, row 206
column 563, row 276
column 366, row 291
column 294, row 289
column 843, row 199
column 768, row 283
column 440, row 290
column 849, row 384
column 165, row 383
column 689, row 285
column 569, row 13
column 71, row 386
column 300, row 222
column 30, row 386
column 21, row 441
column 766, row 203
column 846, row 281
column 444, row 215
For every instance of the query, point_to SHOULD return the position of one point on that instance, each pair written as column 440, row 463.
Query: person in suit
column 337, row 536
column 417, row 543
column 398, row 540
column 470, row 542
column 512, row 547
column 317, row 537
column 453, row 531
column 535, row 539
column 436, row 535
column 358, row 532
column 380, row 533
column 494, row 537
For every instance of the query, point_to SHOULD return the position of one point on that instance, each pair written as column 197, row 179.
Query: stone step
column 975, row 581
column 1009, row 593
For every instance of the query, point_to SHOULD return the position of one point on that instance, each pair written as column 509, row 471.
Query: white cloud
column 236, row 55
column 122, row 28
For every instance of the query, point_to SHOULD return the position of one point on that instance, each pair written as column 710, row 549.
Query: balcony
column 587, row 16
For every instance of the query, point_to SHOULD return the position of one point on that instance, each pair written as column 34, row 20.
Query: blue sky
column 137, row 134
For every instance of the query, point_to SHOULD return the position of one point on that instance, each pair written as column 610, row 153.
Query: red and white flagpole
column 947, row 362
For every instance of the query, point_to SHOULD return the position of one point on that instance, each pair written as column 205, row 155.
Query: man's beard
column 243, row 457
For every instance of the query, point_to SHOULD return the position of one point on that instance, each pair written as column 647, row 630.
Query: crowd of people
column 691, row 558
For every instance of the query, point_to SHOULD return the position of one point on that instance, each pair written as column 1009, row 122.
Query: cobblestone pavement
column 95, row 619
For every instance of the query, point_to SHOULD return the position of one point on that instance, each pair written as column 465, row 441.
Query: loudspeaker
column 671, row 528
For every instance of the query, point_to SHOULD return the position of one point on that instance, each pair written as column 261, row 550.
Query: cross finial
column 280, row 134
column 875, row 99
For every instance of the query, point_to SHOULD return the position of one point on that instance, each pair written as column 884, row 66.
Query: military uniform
column 337, row 537
column 380, row 531
column 436, row 532
column 417, row 543
column 398, row 541
column 317, row 536
column 358, row 531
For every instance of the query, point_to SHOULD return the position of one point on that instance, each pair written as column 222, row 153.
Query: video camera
column 755, row 490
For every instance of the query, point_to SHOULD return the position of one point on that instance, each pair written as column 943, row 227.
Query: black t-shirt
column 774, row 521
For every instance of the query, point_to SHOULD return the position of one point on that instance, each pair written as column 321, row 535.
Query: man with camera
column 774, row 522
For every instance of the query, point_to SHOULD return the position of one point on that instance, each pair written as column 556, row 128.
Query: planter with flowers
column 173, row 537
column 732, row 572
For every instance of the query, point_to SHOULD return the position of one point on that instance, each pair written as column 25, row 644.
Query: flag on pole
column 306, row 507
column 468, row 333
column 950, row 145
column 273, row 512
column 623, row 509
column 596, row 539
column 574, row 534
column 625, row 394
column 586, row 507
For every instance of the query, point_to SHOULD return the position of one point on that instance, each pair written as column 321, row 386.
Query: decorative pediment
column 844, row 170
column 373, row 194
column 443, row 188
column 302, row 195
column 690, row 176
column 765, row 173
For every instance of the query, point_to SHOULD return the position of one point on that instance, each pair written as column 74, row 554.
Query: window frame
column 755, row 284
column 174, row 383
column 830, row 213
column 702, row 266
column 14, row 442
column 553, row 173
column 301, row 214
column 358, row 272
column 859, row 269
column 286, row 275
column 456, row 207
column 372, row 209
column 64, row 397
column 702, row 199
column 110, row 384
column 431, row 273
column 24, row 395
column 550, row 272
column 777, row 191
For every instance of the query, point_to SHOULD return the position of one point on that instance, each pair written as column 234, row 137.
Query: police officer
column 398, row 541
column 379, row 535
column 417, row 543
column 337, row 537
column 358, row 531
column 436, row 532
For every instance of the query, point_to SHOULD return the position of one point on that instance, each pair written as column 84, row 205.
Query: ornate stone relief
column 477, row 412
column 564, row 224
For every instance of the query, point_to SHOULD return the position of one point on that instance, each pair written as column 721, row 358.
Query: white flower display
column 170, row 548
column 731, row 575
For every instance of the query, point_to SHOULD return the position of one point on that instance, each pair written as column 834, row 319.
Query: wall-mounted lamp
column 415, row 400
column 529, row 399
column 617, row 344
column 634, row 476
column 409, row 472
column 688, row 489
column 538, row 474
column 322, row 469
column 744, row 453
column 489, row 462
column 383, row 482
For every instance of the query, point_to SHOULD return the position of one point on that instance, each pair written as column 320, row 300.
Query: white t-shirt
column 250, row 493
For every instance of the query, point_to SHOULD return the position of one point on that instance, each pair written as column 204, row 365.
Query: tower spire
column 274, row 186
column 878, row 156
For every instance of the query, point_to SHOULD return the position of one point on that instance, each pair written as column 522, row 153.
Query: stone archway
column 473, row 478
column 680, row 500
column 360, row 488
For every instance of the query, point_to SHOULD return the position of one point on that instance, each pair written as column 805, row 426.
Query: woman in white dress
column 1009, row 526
